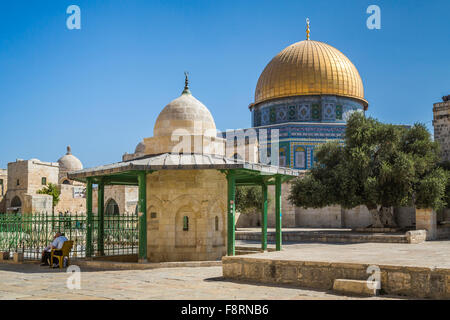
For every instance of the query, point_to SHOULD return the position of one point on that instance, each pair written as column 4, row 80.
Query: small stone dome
column 140, row 148
column 69, row 162
column 186, row 113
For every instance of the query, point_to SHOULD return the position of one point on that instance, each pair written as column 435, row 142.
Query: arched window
column 112, row 208
column 185, row 223
column 300, row 158
column 66, row 182
column 216, row 223
column 282, row 158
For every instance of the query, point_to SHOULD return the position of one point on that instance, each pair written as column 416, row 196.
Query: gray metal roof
column 169, row 161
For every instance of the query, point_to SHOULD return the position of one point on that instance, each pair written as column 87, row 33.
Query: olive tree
column 380, row 166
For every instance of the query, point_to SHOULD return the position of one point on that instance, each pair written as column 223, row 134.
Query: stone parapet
column 417, row 282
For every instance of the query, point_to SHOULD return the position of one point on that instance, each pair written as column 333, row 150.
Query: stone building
column 441, row 124
column 3, row 188
column 23, row 178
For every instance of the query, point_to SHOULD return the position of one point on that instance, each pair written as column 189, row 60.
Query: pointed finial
column 69, row 150
column 186, row 83
column 307, row 29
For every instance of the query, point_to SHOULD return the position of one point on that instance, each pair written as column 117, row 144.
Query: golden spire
column 307, row 29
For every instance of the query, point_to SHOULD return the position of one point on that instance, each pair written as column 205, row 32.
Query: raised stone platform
column 417, row 270
column 331, row 235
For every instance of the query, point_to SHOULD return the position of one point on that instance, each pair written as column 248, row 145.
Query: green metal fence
column 31, row 233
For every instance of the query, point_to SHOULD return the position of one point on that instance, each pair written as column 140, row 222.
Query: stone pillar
column 426, row 219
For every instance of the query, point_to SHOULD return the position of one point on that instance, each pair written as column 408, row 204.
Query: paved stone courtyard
column 30, row 281
column 428, row 254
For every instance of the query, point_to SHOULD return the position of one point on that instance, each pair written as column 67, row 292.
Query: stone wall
column 327, row 217
column 441, row 124
column 37, row 203
column 67, row 202
column 3, row 188
column 398, row 280
column 199, row 195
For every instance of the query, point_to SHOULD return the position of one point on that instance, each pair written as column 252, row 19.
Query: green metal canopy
column 133, row 173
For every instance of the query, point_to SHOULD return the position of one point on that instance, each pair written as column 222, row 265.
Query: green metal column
column 101, row 217
column 231, row 205
column 278, row 212
column 89, row 218
column 264, row 218
column 142, row 213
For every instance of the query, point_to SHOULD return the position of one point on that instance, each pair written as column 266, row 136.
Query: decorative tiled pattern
column 273, row 115
column 305, row 109
column 328, row 111
column 304, row 112
column 282, row 114
column 316, row 112
column 292, row 113
column 338, row 112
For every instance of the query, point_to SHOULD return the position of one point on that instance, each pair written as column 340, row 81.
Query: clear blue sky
column 101, row 88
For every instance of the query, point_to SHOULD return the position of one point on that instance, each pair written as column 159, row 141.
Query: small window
column 216, row 222
column 66, row 182
column 153, row 215
column 44, row 181
column 185, row 223
column 18, row 182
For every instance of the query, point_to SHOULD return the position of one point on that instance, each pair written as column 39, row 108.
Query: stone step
column 355, row 287
column 324, row 237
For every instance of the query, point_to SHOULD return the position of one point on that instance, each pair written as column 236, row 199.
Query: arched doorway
column 112, row 213
column 16, row 205
column 112, row 208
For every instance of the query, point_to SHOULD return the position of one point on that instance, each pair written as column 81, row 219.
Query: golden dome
column 309, row 68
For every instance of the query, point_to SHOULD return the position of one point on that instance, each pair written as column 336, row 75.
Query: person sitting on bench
column 57, row 244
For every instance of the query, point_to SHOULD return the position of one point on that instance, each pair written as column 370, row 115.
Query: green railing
column 31, row 233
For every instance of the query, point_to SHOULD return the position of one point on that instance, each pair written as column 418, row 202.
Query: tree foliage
column 379, row 165
column 249, row 199
column 52, row 190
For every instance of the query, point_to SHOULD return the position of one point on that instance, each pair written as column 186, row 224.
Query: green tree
column 380, row 166
column 52, row 190
column 249, row 199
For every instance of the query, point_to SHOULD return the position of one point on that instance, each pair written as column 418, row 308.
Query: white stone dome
column 140, row 148
column 69, row 162
column 186, row 113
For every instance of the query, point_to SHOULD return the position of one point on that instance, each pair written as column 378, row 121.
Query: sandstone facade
column 441, row 124
column 186, row 215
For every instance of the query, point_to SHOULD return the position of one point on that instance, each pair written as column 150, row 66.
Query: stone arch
column 217, row 209
column 155, row 209
column 16, row 204
column 111, row 207
column 185, row 206
column 185, row 237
